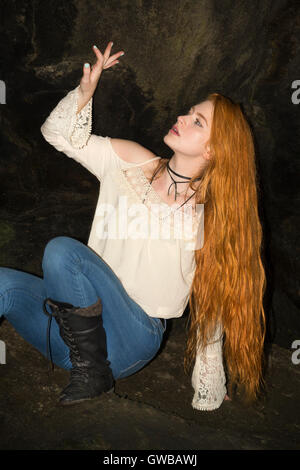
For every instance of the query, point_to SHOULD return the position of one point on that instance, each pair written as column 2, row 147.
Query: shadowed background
column 176, row 52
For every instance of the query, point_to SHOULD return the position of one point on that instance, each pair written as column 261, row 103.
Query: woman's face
column 191, row 132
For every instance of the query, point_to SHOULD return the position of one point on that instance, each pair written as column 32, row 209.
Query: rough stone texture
column 175, row 53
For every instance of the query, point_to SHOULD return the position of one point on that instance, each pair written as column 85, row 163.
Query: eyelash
column 197, row 121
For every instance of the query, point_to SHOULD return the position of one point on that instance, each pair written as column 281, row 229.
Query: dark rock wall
column 175, row 53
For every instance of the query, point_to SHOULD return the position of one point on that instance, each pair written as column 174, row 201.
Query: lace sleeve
column 64, row 121
column 208, row 378
column 70, row 133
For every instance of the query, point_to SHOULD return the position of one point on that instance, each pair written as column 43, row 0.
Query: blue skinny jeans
column 75, row 274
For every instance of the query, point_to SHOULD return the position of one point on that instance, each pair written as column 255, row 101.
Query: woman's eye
column 198, row 123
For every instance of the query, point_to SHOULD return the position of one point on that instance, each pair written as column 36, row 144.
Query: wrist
column 84, row 94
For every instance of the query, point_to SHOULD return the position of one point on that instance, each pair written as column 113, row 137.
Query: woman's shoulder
column 131, row 152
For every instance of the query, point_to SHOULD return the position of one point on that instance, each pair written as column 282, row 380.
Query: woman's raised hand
column 91, row 75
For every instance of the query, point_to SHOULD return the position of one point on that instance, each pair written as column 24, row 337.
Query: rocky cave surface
column 175, row 54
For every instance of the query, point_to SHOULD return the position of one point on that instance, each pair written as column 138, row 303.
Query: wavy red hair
column 229, row 280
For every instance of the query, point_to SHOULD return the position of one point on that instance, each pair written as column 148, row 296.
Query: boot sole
column 74, row 402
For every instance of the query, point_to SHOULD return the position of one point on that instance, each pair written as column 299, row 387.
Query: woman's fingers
column 114, row 57
column 86, row 71
column 106, row 60
column 107, row 52
column 113, row 60
column 107, row 66
column 91, row 73
column 98, row 54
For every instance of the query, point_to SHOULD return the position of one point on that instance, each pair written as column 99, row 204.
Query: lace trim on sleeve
column 208, row 378
column 75, row 128
column 82, row 127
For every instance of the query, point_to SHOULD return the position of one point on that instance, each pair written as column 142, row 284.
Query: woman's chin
column 168, row 141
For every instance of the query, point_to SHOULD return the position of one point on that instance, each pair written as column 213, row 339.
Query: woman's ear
column 207, row 153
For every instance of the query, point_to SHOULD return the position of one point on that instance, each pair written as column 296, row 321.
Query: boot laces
column 65, row 332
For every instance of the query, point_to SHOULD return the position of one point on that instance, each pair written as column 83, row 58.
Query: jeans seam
column 161, row 324
column 23, row 290
column 82, row 295
column 153, row 332
column 133, row 365
column 77, row 273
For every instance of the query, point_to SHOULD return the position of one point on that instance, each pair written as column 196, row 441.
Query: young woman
column 111, row 298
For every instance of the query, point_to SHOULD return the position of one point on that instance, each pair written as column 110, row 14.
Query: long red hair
column 229, row 280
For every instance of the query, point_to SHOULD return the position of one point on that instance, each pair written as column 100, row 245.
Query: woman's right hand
column 91, row 75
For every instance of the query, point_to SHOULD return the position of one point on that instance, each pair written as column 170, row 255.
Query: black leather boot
column 82, row 331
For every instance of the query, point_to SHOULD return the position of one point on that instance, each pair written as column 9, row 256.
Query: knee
column 57, row 251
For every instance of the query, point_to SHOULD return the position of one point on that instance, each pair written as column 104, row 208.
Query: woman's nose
column 181, row 119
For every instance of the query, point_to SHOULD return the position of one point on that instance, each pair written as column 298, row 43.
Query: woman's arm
column 91, row 75
column 69, row 132
column 126, row 149
column 68, row 127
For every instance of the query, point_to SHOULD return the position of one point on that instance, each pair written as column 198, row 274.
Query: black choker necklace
column 176, row 182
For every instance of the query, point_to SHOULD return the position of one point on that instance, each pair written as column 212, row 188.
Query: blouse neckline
column 156, row 195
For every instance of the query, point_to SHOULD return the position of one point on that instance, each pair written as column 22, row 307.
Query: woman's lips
column 174, row 131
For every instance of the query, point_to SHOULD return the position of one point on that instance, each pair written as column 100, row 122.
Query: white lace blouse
column 140, row 237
